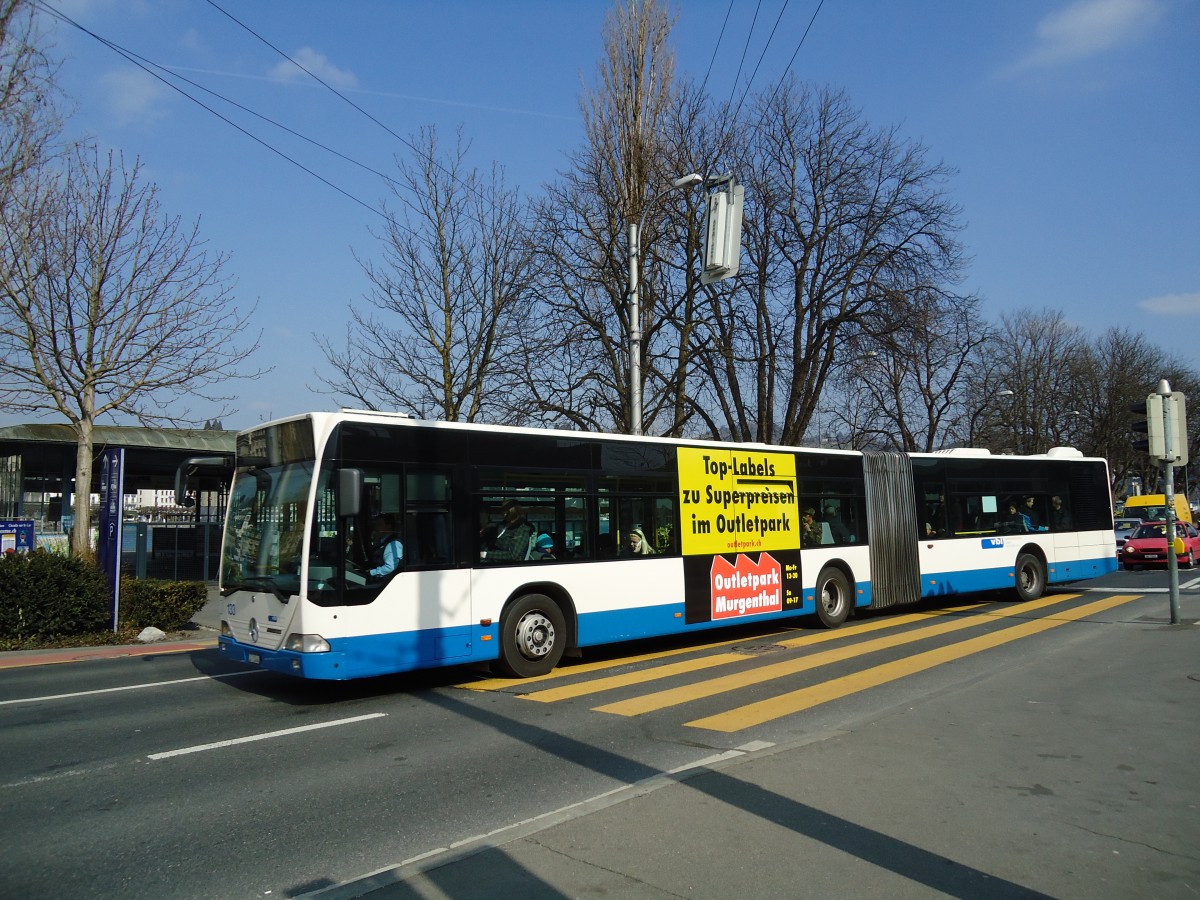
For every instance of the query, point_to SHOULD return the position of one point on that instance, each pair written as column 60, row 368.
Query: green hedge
column 47, row 595
column 168, row 605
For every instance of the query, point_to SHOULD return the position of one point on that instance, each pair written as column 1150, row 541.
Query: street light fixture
column 635, row 312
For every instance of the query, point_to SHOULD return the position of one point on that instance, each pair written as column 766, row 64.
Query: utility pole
column 1165, row 427
column 635, row 306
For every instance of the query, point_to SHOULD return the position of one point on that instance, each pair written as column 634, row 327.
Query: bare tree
column 618, row 177
column 908, row 393
column 29, row 117
column 845, row 225
column 444, row 328
column 1119, row 369
column 111, row 306
column 1039, row 357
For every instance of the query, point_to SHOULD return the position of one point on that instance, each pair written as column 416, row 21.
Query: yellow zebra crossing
column 750, row 674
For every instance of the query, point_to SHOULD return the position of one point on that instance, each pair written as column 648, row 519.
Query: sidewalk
column 14, row 659
column 1071, row 776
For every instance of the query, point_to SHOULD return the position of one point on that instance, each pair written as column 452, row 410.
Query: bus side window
column 655, row 516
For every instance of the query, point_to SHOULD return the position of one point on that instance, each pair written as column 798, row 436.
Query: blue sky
column 1074, row 126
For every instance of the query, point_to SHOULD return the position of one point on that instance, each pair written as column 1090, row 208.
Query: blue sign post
column 16, row 535
column 108, row 546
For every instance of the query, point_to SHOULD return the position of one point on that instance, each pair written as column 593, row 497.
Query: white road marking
column 199, row 748
column 66, row 773
column 129, row 687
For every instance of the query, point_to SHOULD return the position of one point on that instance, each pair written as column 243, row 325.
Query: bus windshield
column 268, row 506
column 264, row 533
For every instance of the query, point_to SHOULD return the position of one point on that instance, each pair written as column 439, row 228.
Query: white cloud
column 1087, row 28
column 1173, row 305
column 134, row 96
column 318, row 64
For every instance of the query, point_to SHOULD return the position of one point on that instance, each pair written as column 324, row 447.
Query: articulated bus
column 516, row 545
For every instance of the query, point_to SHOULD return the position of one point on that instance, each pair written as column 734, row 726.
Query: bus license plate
column 255, row 658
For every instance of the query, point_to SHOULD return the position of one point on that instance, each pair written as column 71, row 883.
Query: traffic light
column 1151, row 425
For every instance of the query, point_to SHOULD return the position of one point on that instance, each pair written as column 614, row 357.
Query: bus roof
column 329, row 418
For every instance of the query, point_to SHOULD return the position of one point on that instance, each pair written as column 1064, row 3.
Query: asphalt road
column 177, row 775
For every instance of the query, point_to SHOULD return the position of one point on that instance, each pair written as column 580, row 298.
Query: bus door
column 892, row 527
column 437, row 592
column 426, row 597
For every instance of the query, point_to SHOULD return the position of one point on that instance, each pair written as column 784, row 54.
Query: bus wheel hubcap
column 830, row 598
column 535, row 635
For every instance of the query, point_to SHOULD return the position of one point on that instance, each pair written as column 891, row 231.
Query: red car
column 1148, row 545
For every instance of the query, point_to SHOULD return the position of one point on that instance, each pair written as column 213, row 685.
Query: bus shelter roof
column 47, row 453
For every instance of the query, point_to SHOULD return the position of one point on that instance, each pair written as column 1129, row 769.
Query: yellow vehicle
column 1153, row 508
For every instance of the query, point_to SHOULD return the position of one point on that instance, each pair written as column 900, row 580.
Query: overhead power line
column 149, row 68
column 757, row 65
column 716, row 49
column 745, row 48
column 321, row 81
column 795, row 52
column 770, row 37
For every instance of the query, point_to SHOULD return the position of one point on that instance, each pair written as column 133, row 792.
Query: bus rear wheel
column 833, row 597
column 1030, row 577
column 533, row 636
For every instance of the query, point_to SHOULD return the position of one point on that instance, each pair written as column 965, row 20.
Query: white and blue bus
column 517, row 545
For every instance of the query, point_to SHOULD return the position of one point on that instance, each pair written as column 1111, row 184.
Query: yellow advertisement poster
column 737, row 501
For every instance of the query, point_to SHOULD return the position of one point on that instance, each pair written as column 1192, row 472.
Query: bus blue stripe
column 381, row 654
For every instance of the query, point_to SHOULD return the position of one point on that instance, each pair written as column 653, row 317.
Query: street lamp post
column 635, row 312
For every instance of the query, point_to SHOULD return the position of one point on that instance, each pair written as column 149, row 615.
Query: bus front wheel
column 833, row 597
column 1030, row 577
column 533, row 633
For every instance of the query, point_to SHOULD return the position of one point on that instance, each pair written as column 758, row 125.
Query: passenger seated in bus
column 1014, row 521
column 512, row 537
column 1030, row 512
column 388, row 549
column 935, row 517
column 638, row 545
column 1060, row 516
column 543, row 547
column 810, row 530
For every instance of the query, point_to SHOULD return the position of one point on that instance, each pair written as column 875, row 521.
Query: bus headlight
column 306, row 643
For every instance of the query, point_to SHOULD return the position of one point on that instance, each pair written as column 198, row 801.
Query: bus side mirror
column 350, row 489
column 187, row 467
